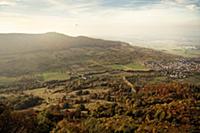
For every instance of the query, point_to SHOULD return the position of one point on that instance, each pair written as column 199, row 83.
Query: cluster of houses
column 179, row 68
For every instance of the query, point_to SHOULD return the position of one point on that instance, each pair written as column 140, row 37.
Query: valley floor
column 105, row 102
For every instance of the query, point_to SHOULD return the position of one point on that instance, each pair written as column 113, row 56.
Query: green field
column 7, row 80
column 131, row 66
column 45, row 76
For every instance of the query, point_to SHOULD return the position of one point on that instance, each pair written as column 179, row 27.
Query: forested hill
column 35, row 53
column 18, row 42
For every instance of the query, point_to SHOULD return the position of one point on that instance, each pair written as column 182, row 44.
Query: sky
column 126, row 20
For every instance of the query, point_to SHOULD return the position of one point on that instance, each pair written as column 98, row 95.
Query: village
column 180, row 68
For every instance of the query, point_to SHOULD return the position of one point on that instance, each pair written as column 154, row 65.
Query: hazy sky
column 114, row 19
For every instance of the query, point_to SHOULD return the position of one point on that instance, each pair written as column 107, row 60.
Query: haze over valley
column 99, row 66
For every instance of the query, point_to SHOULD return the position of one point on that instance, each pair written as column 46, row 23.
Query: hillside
column 53, row 56
column 15, row 43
